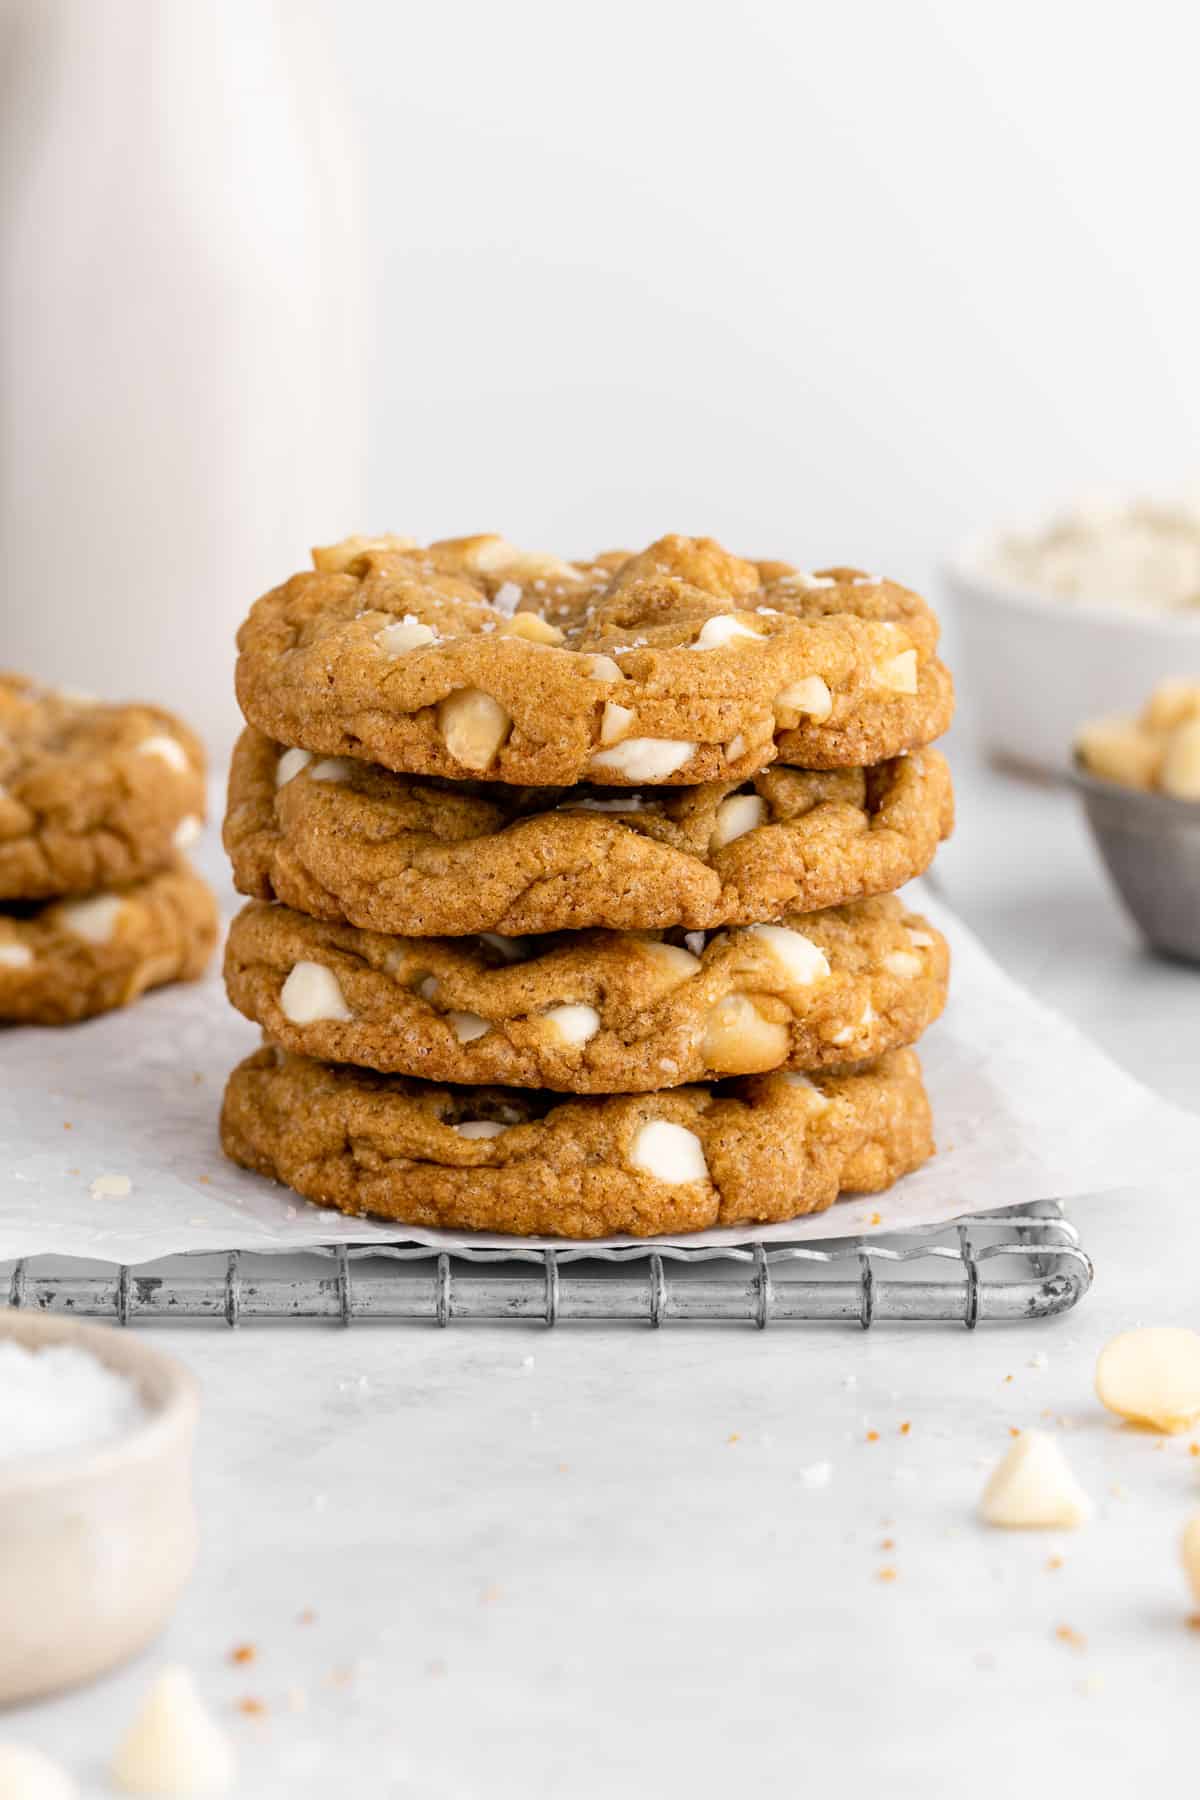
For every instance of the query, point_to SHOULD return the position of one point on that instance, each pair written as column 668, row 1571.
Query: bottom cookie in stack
column 750, row 1150
column 64, row 960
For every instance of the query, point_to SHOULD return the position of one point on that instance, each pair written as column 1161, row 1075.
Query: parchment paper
column 1025, row 1108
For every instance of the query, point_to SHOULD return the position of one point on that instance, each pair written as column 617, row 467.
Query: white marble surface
column 589, row 1563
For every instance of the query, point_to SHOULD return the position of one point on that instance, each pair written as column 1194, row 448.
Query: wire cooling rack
column 1023, row 1263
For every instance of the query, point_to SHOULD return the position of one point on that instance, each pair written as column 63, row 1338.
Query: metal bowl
column 1150, row 844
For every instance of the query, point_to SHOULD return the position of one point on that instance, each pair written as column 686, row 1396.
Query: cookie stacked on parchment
column 572, row 885
column 97, row 903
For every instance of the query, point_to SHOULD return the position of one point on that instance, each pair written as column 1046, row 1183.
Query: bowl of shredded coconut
column 97, row 1525
column 1078, row 617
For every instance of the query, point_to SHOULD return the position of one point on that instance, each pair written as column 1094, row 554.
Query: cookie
column 761, row 1148
column 599, row 1012
column 680, row 665
column 91, row 796
column 340, row 839
column 69, row 959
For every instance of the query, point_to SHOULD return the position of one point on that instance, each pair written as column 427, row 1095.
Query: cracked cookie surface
column 338, row 839
column 682, row 664
column 91, row 795
column 592, row 1012
column 756, row 1149
column 64, row 960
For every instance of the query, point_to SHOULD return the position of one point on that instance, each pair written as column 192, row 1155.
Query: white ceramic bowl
column 97, row 1543
column 1032, row 668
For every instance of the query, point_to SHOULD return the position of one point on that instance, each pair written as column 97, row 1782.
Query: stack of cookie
column 572, row 886
column 97, row 904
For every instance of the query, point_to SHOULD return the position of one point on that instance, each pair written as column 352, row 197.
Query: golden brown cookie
column 340, row 839
column 63, row 960
column 680, row 665
column 598, row 1012
column 765, row 1147
column 91, row 796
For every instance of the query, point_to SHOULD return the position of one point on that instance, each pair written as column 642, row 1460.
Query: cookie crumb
column 1066, row 1634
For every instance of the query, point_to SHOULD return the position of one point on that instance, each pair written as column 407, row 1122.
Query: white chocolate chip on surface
column 15, row 956
column 645, row 759
column 1032, row 1488
column 533, row 628
column 480, row 1128
column 736, row 815
column 335, row 559
column 671, row 960
column 290, row 765
column 616, row 722
column 312, row 993
column 669, row 1152
column 903, row 963
column 332, row 768
column 802, row 961
column 603, row 668
column 94, row 919
column 738, row 1040
column 467, row 1026
column 173, row 1748
column 721, row 630
column 168, row 749
column 736, row 747
column 405, row 634
column 920, row 940
column 810, row 697
column 25, row 1774
column 898, row 673
column 802, row 579
column 1181, row 761
column 1152, row 1377
column 473, row 726
column 187, row 831
column 574, row 1023
column 427, row 987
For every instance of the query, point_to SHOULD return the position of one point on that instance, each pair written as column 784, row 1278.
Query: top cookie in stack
column 506, row 799
column 97, row 802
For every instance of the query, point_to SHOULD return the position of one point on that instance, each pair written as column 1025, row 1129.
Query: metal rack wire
column 1023, row 1263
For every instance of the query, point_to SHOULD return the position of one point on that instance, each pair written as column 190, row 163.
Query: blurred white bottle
column 181, row 340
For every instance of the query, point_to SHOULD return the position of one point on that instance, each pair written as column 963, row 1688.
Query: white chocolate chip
column 920, row 940
column 507, row 598
column 736, row 816
column 111, row 1187
column 645, row 759
column 169, row 749
column 795, row 1079
column 332, row 768
column 867, row 581
column 903, row 963
column 187, row 831
column 1173, row 701
column 15, row 956
column 404, row 634
column 467, row 1026
column 736, row 747
column 173, row 1747
column 898, row 673
column 533, row 628
column 335, row 559
column 25, row 1774
column 802, row 579
column 1152, row 1376
column 1119, row 750
column 603, row 668
column 312, row 993
column 849, row 1032
column 574, row 1024
column 672, row 960
column 738, row 1040
column 94, row 919
column 1190, row 1550
column 290, row 765
column 473, row 726
column 427, row 987
column 810, row 697
column 669, row 1152
column 616, row 722
column 1181, row 763
column 696, row 941
column 802, row 961
column 1032, row 1488
column 480, row 1128
column 717, row 632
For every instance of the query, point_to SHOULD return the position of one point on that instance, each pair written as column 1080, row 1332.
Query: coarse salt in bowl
column 97, row 1524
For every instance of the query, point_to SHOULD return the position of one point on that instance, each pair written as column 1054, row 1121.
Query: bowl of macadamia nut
column 1139, row 778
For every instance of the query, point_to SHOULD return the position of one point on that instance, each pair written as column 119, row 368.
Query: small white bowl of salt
column 97, row 1524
